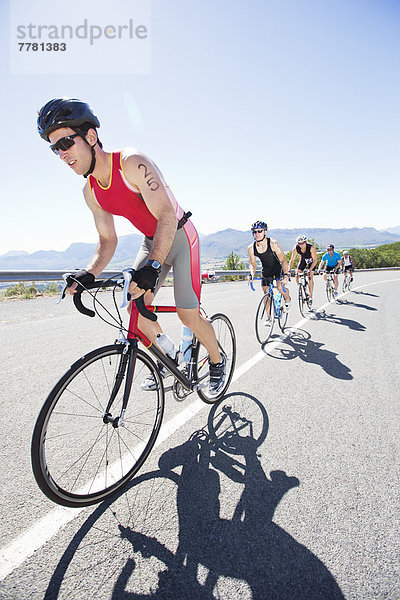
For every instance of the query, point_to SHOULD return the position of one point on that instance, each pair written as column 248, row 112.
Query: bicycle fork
column 126, row 365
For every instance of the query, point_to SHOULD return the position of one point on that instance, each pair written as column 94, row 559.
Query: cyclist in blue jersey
column 333, row 262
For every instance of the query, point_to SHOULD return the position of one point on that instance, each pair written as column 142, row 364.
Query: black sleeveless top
column 306, row 253
column 270, row 264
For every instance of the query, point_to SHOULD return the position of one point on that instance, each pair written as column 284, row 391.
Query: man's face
column 79, row 156
column 259, row 234
column 330, row 250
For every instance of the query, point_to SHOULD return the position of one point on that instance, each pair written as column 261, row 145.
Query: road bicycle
column 98, row 425
column 304, row 292
column 347, row 281
column 330, row 286
column 271, row 307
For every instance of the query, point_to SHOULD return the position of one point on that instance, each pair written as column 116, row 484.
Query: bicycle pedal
column 199, row 386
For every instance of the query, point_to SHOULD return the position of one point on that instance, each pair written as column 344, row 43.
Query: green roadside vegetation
column 233, row 263
column 30, row 290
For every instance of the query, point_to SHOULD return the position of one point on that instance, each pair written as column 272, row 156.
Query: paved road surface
column 304, row 505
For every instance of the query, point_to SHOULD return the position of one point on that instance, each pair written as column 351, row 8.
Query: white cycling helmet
column 346, row 252
column 301, row 238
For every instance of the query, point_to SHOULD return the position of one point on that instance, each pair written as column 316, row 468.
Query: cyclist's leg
column 336, row 280
column 286, row 294
column 311, row 282
column 185, row 259
column 264, row 287
column 265, row 281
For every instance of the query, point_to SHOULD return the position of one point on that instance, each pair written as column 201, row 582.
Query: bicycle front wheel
column 283, row 315
column 265, row 316
column 345, row 283
column 80, row 455
column 329, row 291
column 302, row 301
column 226, row 339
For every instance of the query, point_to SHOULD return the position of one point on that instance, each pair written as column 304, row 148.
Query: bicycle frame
column 304, row 279
column 277, row 306
column 135, row 335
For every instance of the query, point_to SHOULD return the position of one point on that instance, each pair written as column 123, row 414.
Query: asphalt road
column 304, row 504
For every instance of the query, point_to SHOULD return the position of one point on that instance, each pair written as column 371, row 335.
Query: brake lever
column 64, row 288
column 145, row 312
column 127, row 275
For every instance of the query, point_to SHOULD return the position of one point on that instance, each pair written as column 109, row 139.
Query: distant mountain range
column 214, row 246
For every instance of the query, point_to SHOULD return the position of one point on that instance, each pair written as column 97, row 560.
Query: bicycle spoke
column 77, row 461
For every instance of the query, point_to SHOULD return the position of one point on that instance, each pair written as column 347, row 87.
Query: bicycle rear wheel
column 78, row 457
column 227, row 345
column 265, row 316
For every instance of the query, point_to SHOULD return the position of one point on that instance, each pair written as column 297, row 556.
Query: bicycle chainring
column 180, row 393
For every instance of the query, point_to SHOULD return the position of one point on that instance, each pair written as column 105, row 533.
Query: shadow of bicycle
column 199, row 527
column 322, row 315
column 298, row 344
column 361, row 293
column 355, row 304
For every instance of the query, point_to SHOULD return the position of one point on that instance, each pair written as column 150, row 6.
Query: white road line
column 22, row 547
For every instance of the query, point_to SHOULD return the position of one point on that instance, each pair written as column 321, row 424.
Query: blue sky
column 282, row 111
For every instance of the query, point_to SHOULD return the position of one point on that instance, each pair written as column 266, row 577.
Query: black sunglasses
column 64, row 143
column 258, row 231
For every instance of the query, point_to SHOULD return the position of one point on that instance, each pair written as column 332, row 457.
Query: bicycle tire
column 329, row 291
column 263, row 314
column 227, row 345
column 77, row 458
column 283, row 315
column 302, row 301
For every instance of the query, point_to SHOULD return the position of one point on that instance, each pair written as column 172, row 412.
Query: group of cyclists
column 276, row 267
column 128, row 183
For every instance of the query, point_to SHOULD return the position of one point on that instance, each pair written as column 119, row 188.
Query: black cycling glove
column 146, row 278
column 82, row 276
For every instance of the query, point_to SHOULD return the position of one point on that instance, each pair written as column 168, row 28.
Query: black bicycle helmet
column 259, row 225
column 64, row 112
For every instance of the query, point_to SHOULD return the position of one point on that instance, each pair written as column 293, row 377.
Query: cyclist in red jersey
column 128, row 183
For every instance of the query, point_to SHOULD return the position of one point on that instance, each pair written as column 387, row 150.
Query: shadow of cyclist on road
column 355, row 304
column 298, row 344
column 360, row 293
column 256, row 555
column 330, row 318
column 218, row 541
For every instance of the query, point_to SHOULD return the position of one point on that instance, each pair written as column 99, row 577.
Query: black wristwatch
column 154, row 264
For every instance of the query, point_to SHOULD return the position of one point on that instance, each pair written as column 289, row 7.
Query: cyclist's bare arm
column 143, row 174
column 108, row 240
column 292, row 258
column 275, row 247
column 253, row 265
column 314, row 257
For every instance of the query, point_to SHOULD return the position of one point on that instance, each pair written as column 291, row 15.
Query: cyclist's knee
column 188, row 316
